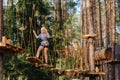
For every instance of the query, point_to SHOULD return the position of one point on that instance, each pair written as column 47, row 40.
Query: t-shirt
column 44, row 38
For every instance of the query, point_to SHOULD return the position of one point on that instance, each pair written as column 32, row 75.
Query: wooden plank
column 8, row 47
column 77, row 70
column 45, row 65
column 96, row 73
column 113, row 61
column 60, row 71
column 69, row 72
column 33, row 60
column 2, row 44
column 57, row 69
column 6, row 40
column 9, row 50
column 86, row 36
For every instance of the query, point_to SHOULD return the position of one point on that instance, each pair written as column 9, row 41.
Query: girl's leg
column 45, row 54
column 38, row 51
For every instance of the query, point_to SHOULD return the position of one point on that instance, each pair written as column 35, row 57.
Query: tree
column 99, row 25
column 91, row 31
column 1, row 34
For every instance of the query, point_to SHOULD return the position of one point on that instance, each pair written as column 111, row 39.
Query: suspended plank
column 77, row 73
column 33, row 60
column 46, row 65
column 69, row 72
column 96, row 73
column 57, row 69
column 60, row 71
column 113, row 61
column 77, row 70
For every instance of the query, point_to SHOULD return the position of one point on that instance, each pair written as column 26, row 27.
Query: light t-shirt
column 44, row 38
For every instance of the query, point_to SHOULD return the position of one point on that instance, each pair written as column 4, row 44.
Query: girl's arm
column 48, row 35
column 35, row 34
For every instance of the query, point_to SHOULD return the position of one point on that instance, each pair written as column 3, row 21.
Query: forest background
column 64, row 20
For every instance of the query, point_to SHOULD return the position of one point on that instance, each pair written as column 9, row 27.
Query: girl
column 44, row 35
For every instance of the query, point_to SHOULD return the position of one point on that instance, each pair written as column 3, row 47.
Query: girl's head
column 43, row 30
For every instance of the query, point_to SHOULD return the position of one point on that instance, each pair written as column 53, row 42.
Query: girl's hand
column 35, row 34
column 33, row 31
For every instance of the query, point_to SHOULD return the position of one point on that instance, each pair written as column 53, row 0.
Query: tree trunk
column 106, row 36
column 99, row 25
column 63, row 10
column 55, row 10
column 83, row 19
column 1, row 34
column 1, row 19
column 106, row 25
column 118, row 1
column 93, row 12
column 113, row 27
column 59, row 14
column 86, row 25
column 91, row 42
column 94, row 19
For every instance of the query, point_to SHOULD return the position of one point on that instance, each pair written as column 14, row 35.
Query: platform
column 113, row 61
column 10, row 50
column 60, row 71
column 95, row 73
column 86, row 36
column 45, row 65
column 76, row 72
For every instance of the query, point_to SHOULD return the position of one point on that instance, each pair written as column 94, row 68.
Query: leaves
column 32, row 14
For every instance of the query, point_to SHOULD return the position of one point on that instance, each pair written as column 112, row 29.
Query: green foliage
column 17, row 16
column 19, row 66
column 70, row 5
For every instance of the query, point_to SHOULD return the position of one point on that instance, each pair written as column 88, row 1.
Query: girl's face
column 43, row 31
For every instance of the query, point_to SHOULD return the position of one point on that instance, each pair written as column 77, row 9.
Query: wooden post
column 1, row 33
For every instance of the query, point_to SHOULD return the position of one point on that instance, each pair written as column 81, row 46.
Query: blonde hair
column 43, row 28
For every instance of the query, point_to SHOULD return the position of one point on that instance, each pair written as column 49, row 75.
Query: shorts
column 44, row 44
